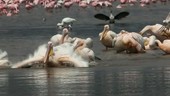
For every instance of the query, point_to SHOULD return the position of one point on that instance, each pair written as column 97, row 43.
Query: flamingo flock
column 12, row 7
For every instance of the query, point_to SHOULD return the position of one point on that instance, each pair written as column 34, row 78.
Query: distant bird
column 111, row 18
column 66, row 23
column 43, row 19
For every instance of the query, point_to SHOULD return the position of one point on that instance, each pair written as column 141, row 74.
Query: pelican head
column 65, row 31
column 123, row 31
column 64, row 35
column 89, row 42
column 79, row 44
column 49, row 52
column 106, row 29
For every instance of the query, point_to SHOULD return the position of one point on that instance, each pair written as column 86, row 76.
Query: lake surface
column 120, row 74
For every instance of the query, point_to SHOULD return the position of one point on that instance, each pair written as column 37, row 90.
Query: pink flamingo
column 36, row 2
column 107, row 4
column 68, row 4
column 144, row 2
column 76, row 1
column 132, row 2
column 83, row 4
column 29, row 5
column 13, row 7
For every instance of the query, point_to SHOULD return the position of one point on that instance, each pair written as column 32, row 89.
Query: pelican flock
column 62, row 50
column 131, row 42
column 63, row 54
column 161, row 31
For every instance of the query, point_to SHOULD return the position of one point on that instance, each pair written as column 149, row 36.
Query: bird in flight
column 111, row 18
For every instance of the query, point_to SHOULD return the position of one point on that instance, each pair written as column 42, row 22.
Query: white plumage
column 66, row 23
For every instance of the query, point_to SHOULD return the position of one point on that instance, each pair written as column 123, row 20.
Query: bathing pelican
column 61, row 38
column 63, row 55
column 66, row 23
column 85, row 52
column 158, row 30
column 111, row 18
column 150, row 42
column 161, row 31
column 88, row 41
column 107, row 36
column 131, row 42
column 164, row 46
column 166, row 22
column 48, row 55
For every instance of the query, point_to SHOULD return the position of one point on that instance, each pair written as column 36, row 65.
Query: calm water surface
column 98, row 81
column 115, row 75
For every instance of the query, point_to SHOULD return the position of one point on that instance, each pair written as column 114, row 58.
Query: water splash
column 39, row 52
column 63, row 50
column 3, row 58
column 67, row 49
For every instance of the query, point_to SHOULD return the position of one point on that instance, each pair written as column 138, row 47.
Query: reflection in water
column 155, row 81
column 167, row 80
column 130, row 83
column 70, row 82
column 123, row 83
column 3, row 82
column 27, row 82
column 149, row 81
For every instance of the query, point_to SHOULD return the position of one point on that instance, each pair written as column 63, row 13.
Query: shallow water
column 115, row 75
column 97, row 81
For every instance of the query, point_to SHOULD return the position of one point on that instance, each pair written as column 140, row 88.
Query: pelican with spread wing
column 161, row 31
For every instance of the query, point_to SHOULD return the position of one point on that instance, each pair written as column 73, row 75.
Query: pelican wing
column 168, row 17
column 166, row 22
column 121, row 15
column 101, row 17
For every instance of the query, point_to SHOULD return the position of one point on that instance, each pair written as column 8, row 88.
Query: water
column 107, row 81
column 115, row 75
